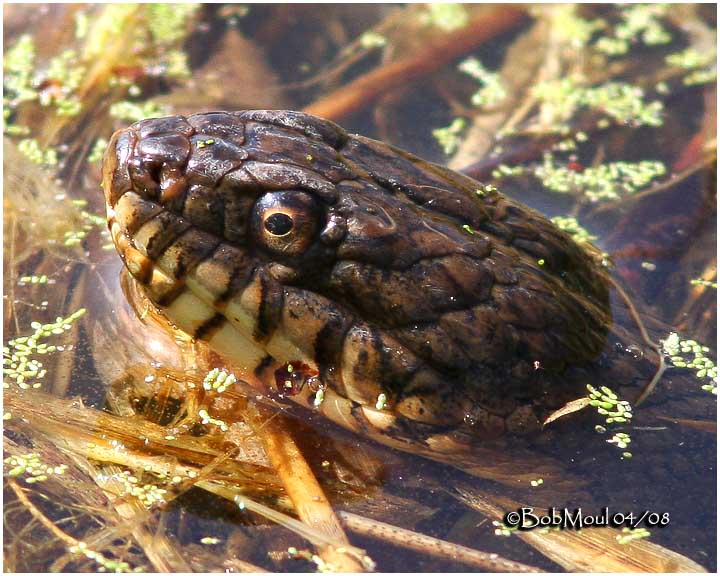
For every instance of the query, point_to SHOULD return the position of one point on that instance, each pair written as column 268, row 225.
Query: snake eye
column 285, row 222
column 278, row 224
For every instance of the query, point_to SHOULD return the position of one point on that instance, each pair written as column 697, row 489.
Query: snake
column 400, row 299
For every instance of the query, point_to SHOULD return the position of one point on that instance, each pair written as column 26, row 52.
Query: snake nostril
column 154, row 157
column 145, row 177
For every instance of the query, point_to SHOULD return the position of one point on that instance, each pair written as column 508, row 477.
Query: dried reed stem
column 308, row 498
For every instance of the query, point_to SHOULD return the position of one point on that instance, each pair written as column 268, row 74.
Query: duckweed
column 690, row 355
column 573, row 227
column 34, row 279
column 372, row 39
column 134, row 111
column 322, row 566
column 319, row 397
column 205, row 418
column 75, row 237
column 19, row 364
column 18, row 64
column 106, row 563
column 640, row 23
column 149, row 495
column 616, row 411
column 575, row 30
column 609, row 405
column 218, row 380
column 492, row 91
column 168, row 22
column 701, row 282
column 630, row 534
column 381, row 402
column 603, row 182
column 446, row 16
column 625, row 103
column 98, row 150
column 33, row 151
column 449, row 137
column 30, row 466
column 502, row 529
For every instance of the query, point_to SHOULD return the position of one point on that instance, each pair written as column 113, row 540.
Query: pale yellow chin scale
column 192, row 315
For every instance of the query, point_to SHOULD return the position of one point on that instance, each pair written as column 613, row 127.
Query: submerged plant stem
column 302, row 487
column 367, row 88
column 432, row 546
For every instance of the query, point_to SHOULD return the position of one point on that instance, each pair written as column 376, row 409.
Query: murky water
column 615, row 138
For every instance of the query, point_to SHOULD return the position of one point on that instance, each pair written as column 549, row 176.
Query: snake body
column 401, row 299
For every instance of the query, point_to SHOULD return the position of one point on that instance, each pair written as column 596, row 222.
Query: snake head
column 281, row 239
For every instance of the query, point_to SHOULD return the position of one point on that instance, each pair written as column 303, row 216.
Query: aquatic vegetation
column 149, row 495
column 573, row 227
column 639, row 23
column 573, row 29
column 608, row 181
column 19, row 363
column 616, row 411
column 31, row 148
column 53, row 85
column 320, row 564
column 701, row 282
column 105, row 563
column 486, row 189
column 109, row 26
column 98, row 150
column 205, row 418
column 18, row 64
column 492, row 91
column 447, row 16
column 91, row 222
column 622, row 102
column 502, row 529
column 32, row 468
column 608, row 404
column 630, row 534
column 372, row 39
column 449, row 137
column 168, row 23
column 65, row 74
column 691, row 355
column 218, row 380
column 621, row 439
column 35, row 279
column 134, row 111
column 701, row 67
column 381, row 402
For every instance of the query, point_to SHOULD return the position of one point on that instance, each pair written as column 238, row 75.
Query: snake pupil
column 278, row 224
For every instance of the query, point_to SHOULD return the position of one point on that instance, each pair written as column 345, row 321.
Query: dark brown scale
column 413, row 281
